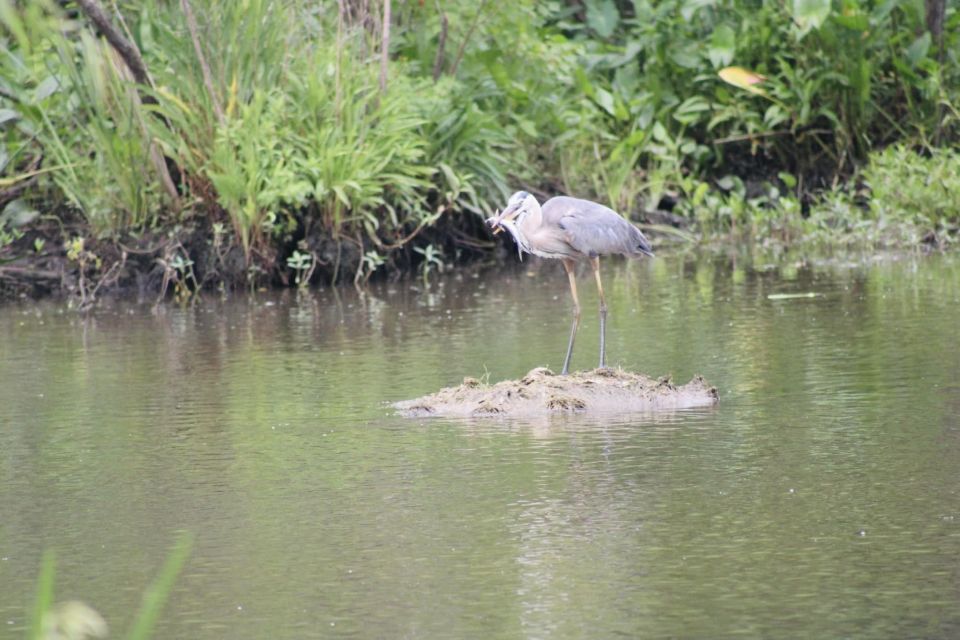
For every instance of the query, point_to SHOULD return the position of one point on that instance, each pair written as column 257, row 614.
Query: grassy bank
column 215, row 143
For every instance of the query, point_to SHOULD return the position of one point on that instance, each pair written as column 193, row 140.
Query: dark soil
column 183, row 260
column 541, row 392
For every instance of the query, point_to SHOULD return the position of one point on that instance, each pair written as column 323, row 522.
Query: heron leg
column 595, row 263
column 569, row 266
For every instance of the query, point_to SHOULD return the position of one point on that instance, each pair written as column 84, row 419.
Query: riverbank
column 48, row 260
column 362, row 143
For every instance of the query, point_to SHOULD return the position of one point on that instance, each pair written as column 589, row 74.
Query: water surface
column 820, row 499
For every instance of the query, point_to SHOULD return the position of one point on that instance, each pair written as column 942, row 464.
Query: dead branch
column 28, row 273
column 441, row 43
column 385, row 46
column 204, row 67
column 466, row 38
column 127, row 49
column 21, row 187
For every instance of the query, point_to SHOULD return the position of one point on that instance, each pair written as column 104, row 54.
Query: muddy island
column 541, row 392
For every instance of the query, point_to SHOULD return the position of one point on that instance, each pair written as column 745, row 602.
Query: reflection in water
column 820, row 499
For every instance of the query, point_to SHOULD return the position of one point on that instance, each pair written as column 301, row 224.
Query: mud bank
column 541, row 392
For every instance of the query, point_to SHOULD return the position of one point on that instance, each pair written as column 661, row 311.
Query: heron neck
column 532, row 219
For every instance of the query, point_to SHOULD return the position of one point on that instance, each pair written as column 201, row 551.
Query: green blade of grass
column 44, row 597
column 155, row 597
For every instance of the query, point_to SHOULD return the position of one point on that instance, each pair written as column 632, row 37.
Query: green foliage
column 627, row 102
column 923, row 189
column 79, row 107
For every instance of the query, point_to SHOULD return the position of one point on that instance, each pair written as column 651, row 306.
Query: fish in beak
column 496, row 222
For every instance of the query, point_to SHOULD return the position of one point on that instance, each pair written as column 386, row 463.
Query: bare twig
column 385, row 46
column 127, row 49
column 338, row 97
column 359, row 273
column 424, row 223
column 441, row 43
column 466, row 38
column 204, row 67
column 132, row 58
column 21, row 187
column 28, row 273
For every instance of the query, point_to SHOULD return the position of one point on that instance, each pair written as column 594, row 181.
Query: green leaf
column 685, row 56
column 605, row 99
column 46, row 89
column 883, row 10
column 43, row 599
column 8, row 115
column 602, row 17
column 918, row 50
column 155, row 597
column 788, row 179
column 691, row 109
column 723, row 44
column 810, row 14
column 690, row 7
column 660, row 133
column 854, row 22
column 341, row 195
column 18, row 213
column 452, row 180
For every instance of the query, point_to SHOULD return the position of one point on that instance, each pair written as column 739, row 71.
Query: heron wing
column 593, row 229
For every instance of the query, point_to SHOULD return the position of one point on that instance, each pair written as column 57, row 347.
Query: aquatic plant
column 76, row 620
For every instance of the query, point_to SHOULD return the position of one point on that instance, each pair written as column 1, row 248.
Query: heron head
column 518, row 205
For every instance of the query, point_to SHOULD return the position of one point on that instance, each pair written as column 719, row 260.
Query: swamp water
column 820, row 498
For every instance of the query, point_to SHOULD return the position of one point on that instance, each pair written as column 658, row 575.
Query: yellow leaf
column 174, row 99
column 740, row 77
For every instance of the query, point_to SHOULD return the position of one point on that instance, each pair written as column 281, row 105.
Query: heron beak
column 494, row 222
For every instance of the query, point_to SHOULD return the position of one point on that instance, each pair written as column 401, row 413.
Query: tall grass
column 79, row 105
column 290, row 132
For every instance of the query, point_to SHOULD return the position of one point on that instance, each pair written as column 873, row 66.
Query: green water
column 820, row 499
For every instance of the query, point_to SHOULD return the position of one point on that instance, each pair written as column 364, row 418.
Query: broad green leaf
column 685, row 57
column 660, row 133
column 723, row 45
column 18, row 213
column 629, row 54
column 341, row 195
column 854, row 22
column 8, row 115
column 810, row 14
column 774, row 115
column 452, row 181
column 883, row 10
column 690, row 7
column 918, row 50
column 788, row 179
column 46, row 89
column 689, row 112
column 602, row 17
column 605, row 99
column 740, row 77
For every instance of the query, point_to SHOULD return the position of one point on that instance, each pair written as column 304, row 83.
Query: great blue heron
column 571, row 229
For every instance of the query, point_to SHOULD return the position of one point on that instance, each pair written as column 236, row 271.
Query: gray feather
column 593, row 229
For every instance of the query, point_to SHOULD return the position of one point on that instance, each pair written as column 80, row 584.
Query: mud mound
column 541, row 392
